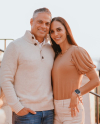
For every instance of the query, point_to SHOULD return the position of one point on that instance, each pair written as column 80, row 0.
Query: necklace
column 61, row 54
column 64, row 52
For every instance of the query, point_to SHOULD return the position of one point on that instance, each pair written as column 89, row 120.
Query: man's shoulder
column 18, row 40
column 16, row 44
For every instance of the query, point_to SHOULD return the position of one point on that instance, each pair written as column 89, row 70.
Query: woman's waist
column 61, row 97
column 63, row 92
column 62, row 101
column 65, row 103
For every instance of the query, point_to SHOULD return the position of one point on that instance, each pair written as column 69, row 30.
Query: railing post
column 97, row 104
column 4, row 44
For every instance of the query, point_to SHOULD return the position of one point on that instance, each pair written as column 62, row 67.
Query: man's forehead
column 43, row 16
column 43, row 20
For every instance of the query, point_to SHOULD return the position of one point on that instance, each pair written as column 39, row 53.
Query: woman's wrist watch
column 78, row 92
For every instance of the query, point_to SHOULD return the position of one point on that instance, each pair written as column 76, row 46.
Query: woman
column 71, row 63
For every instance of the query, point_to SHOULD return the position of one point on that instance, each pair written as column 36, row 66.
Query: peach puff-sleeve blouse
column 68, row 70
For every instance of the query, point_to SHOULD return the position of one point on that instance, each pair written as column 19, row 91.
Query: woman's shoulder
column 80, row 52
column 78, row 49
column 81, row 59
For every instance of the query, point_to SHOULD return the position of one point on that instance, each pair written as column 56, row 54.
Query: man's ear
column 31, row 21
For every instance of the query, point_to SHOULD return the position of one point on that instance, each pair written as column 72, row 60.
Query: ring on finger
column 73, row 109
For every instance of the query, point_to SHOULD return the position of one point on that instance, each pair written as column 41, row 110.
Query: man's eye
column 39, row 21
column 47, row 24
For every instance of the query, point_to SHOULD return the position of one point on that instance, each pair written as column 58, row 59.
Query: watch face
column 77, row 91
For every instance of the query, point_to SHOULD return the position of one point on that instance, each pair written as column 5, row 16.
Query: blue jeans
column 41, row 117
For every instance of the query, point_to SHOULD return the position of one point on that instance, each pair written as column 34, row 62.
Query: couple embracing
column 30, row 64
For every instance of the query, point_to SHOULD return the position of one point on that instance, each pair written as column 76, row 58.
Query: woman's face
column 58, row 32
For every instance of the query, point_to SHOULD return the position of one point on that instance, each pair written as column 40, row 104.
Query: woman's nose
column 56, row 33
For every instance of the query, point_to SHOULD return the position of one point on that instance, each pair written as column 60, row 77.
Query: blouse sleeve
column 82, row 60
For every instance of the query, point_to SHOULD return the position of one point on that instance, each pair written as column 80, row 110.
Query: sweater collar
column 31, row 38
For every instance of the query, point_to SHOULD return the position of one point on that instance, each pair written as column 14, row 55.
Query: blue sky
column 83, row 17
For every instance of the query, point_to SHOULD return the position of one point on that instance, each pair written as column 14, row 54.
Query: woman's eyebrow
column 58, row 27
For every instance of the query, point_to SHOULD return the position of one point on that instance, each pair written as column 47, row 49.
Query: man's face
column 40, row 25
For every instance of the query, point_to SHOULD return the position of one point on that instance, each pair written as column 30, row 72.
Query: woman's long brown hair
column 69, row 36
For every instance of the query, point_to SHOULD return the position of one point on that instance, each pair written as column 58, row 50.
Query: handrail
column 1, row 50
column 5, row 42
column 94, row 94
column 6, row 39
column 97, row 103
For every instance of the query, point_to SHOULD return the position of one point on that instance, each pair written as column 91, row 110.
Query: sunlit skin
column 58, row 34
column 1, row 103
column 40, row 26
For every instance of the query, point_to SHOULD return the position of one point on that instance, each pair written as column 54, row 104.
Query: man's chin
column 42, row 35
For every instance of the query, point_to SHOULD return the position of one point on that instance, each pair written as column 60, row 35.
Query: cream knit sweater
column 26, row 74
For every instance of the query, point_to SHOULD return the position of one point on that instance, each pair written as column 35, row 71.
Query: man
column 26, row 73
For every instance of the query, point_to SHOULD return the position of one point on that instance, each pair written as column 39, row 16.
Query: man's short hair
column 41, row 10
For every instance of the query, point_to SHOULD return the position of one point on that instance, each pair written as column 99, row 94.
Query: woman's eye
column 59, row 29
column 51, row 32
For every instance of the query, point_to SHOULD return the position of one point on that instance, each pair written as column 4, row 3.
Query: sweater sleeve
column 8, row 71
column 82, row 60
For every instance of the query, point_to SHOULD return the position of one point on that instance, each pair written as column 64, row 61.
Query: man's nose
column 43, row 25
